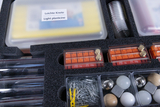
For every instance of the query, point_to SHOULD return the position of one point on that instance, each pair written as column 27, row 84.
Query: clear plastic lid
column 83, row 58
column 128, row 54
column 54, row 21
column 146, row 15
column 1, row 1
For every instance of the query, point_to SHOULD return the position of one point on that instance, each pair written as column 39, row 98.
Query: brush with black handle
column 118, row 19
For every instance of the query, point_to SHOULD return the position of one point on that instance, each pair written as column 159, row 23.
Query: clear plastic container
column 83, row 58
column 145, row 74
column 83, row 91
column 33, row 22
column 94, row 82
column 113, row 77
column 128, row 54
column 98, row 81
column 146, row 14
column 155, row 51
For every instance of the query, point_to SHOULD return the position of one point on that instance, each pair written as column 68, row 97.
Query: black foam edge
column 7, row 52
column 4, row 15
column 37, row 50
column 54, row 78
column 12, row 51
column 130, row 18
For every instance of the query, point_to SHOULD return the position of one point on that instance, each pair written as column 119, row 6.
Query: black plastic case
column 55, row 75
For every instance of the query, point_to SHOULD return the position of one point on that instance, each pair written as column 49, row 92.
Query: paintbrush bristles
column 117, row 16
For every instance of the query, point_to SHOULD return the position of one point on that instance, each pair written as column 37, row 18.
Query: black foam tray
column 54, row 92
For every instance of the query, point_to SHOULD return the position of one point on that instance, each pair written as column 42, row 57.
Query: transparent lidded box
column 83, row 58
column 128, row 54
column 155, row 51
column 146, row 14
column 33, row 22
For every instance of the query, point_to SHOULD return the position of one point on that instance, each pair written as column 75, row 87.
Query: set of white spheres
column 144, row 97
column 123, row 82
column 127, row 99
column 156, row 96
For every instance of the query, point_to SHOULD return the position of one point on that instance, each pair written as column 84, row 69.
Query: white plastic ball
column 127, row 99
column 156, row 96
column 144, row 97
column 123, row 82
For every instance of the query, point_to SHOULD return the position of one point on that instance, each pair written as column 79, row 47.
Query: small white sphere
column 123, row 81
column 156, row 96
column 144, row 97
column 127, row 99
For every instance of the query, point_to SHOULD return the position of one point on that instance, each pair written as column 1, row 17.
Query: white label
column 34, row 16
column 54, row 15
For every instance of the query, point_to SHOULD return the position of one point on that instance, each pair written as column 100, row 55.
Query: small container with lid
column 129, row 54
column 83, row 58
column 155, row 51
column 146, row 15
column 34, row 22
